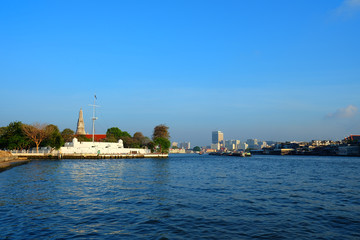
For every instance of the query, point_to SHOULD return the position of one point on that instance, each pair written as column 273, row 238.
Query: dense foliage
column 13, row 137
column 19, row 136
column 138, row 140
column 161, row 138
column 54, row 138
column 197, row 149
column 161, row 131
column 67, row 134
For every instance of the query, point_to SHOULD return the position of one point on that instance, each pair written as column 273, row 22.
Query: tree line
column 20, row 136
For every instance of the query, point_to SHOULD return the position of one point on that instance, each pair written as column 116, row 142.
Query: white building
column 100, row 148
column 217, row 137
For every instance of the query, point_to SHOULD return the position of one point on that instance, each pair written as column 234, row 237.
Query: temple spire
column 80, row 130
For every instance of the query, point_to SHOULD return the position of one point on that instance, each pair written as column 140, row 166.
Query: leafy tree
column 117, row 133
column 140, row 140
column 128, row 142
column 67, row 134
column 161, row 131
column 2, row 130
column 161, row 138
column 37, row 133
column 13, row 137
column 82, row 138
column 197, row 149
column 151, row 145
column 54, row 138
column 114, row 134
column 163, row 143
column 111, row 138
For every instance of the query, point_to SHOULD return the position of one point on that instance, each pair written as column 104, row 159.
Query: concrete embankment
column 29, row 156
column 7, row 161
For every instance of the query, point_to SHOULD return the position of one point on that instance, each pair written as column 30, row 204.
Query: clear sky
column 273, row 70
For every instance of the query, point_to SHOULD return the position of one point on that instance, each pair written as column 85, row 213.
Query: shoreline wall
column 7, row 161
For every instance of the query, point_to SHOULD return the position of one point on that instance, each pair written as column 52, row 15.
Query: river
column 183, row 197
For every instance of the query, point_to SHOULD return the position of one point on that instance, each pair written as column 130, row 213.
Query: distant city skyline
column 271, row 70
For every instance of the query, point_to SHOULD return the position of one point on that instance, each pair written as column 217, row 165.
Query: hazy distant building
column 215, row 146
column 232, row 144
column 253, row 144
column 184, row 145
column 80, row 129
column 174, row 144
column 263, row 144
column 218, row 137
column 243, row 146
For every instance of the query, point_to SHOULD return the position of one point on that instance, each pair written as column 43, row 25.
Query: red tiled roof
column 97, row 137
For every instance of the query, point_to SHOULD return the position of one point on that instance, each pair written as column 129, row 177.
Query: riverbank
column 31, row 156
column 7, row 161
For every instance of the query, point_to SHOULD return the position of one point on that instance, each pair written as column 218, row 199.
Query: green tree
column 13, row 137
column 127, row 141
column 67, row 134
column 54, row 138
column 2, row 130
column 197, row 149
column 114, row 134
column 151, row 145
column 140, row 140
column 82, row 138
column 161, row 138
column 117, row 133
column 163, row 143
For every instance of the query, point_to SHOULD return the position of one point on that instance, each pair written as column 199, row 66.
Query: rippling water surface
column 183, row 197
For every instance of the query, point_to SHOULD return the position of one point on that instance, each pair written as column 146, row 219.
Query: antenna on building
column 93, row 118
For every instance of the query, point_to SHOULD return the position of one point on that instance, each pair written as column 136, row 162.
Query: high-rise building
column 232, row 144
column 217, row 137
column 184, row 145
column 243, row 146
column 80, row 129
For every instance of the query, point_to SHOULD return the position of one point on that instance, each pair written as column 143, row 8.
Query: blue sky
column 273, row 70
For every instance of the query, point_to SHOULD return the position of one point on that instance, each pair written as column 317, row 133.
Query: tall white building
column 217, row 138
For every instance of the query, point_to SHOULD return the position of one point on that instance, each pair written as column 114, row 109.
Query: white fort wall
column 100, row 148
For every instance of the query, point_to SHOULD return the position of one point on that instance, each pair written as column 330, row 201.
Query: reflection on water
column 185, row 196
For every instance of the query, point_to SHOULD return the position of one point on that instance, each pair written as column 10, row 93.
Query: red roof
column 97, row 137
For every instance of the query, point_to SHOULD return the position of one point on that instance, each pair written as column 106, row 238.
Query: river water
column 183, row 197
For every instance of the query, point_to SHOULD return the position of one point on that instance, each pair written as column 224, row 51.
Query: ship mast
column 93, row 118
